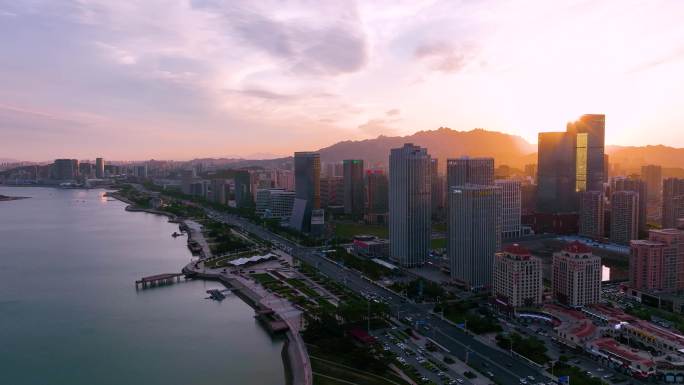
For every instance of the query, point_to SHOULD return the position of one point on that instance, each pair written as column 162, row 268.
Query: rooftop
column 517, row 250
column 577, row 247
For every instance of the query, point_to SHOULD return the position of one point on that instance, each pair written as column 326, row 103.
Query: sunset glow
column 180, row 79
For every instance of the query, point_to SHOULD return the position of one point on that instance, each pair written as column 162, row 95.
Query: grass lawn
column 349, row 230
column 264, row 278
column 438, row 243
column 330, row 369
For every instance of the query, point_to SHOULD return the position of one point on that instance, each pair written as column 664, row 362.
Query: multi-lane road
column 504, row 368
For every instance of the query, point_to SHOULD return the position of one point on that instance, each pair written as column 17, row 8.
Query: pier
column 158, row 280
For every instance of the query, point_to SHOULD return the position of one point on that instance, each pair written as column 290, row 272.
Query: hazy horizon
column 186, row 79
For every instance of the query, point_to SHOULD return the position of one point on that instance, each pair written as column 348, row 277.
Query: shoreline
column 293, row 343
column 5, row 198
column 296, row 364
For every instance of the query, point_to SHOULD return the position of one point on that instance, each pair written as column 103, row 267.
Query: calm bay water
column 70, row 314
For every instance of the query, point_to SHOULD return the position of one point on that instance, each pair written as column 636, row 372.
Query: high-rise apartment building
column 624, row 217
column 243, row 188
column 307, row 167
column 438, row 189
column 378, row 196
column 334, row 169
column 65, row 169
column 332, row 191
column 99, row 168
column 576, row 276
column 474, row 233
column 673, row 257
column 511, row 212
column 633, row 183
column 592, row 214
column 85, row 169
column 219, row 187
column 354, row 189
column 570, row 162
column 673, row 202
column 284, row 179
column 653, row 176
column 409, row 205
column 646, row 265
column 465, row 170
column 517, row 277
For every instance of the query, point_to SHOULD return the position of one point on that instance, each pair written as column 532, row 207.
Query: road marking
column 477, row 353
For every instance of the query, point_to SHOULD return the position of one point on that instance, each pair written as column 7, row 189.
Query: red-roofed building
column 576, row 276
column 612, row 352
column 361, row 336
column 517, row 277
column 577, row 247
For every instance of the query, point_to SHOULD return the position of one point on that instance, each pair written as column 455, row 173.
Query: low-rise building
column 612, row 353
column 371, row 246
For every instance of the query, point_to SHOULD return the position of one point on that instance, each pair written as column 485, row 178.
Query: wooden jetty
column 158, row 280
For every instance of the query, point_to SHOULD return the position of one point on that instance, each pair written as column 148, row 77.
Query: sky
column 207, row 78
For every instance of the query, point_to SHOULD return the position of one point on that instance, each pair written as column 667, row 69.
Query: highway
column 505, row 368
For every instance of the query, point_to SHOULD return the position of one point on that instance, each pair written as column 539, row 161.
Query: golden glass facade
column 581, row 162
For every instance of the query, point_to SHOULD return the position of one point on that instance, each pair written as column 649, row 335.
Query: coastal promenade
column 297, row 356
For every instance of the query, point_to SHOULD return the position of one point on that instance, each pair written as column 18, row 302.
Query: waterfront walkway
column 260, row 298
column 195, row 233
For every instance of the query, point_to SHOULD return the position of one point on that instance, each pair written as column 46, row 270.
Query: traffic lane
column 356, row 283
column 516, row 370
column 506, row 369
column 520, row 369
column 480, row 351
column 408, row 359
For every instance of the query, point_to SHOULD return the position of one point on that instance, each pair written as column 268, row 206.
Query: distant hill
column 633, row 157
column 442, row 143
column 446, row 143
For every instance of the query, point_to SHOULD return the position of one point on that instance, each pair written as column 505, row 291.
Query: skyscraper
column 465, row 170
column 653, row 176
column 576, row 276
column 511, row 207
column 633, row 183
column 307, row 167
column 243, row 188
column 99, row 168
column 591, row 214
column 474, row 233
column 409, row 205
column 437, row 189
column 571, row 162
column 378, row 195
column 555, row 173
column 354, row 194
column 218, row 191
column 624, row 216
column 673, row 202
column 589, row 133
